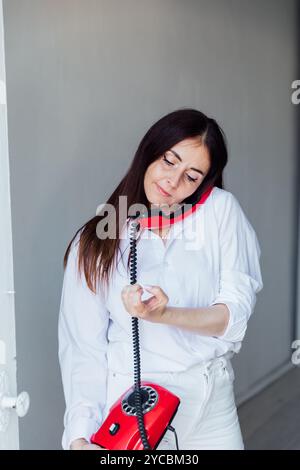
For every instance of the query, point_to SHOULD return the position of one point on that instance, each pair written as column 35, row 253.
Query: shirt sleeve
column 240, row 274
column 82, row 337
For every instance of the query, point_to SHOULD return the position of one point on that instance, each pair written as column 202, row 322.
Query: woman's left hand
column 151, row 309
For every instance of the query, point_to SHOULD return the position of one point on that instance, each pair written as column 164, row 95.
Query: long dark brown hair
column 96, row 256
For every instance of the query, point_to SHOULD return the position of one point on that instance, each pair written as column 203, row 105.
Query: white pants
column 207, row 416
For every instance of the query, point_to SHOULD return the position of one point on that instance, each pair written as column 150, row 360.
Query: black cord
column 176, row 438
column 136, row 344
column 136, row 349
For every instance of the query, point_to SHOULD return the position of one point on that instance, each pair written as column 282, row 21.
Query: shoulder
column 74, row 247
column 224, row 201
column 228, row 210
column 71, row 257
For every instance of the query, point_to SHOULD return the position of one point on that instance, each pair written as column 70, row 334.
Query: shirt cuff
column 79, row 428
column 237, row 324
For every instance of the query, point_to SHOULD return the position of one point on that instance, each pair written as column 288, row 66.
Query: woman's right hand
column 83, row 444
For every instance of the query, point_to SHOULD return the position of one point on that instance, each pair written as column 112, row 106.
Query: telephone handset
column 141, row 416
column 159, row 219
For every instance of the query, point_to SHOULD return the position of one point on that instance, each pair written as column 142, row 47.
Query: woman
column 202, row 277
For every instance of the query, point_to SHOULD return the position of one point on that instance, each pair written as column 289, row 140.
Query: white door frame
column 9, row 430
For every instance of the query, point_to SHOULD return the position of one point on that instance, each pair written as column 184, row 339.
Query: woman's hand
column 151, row 309
column 83, row 444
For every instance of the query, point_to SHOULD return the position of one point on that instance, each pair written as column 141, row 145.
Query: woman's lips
column 162, row 191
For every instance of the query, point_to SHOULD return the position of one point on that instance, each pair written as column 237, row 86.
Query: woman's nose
column 174, row 180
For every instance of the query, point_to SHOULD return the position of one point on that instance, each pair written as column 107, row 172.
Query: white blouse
column 212, row 256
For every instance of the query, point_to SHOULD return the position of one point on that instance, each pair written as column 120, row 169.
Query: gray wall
column 85, row 79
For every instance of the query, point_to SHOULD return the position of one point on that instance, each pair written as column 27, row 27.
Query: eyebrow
column 180, row 159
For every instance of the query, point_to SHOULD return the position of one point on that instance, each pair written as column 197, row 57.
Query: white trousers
column 207, row 416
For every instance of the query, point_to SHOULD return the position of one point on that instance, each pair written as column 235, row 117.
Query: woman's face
column 178, row 173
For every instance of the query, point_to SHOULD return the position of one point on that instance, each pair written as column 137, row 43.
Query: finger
column 151, row 302
column 157, row 292
column 133, row 305
column 133, row 288
column 130, row 288
column 136, row 298
column 153, row 289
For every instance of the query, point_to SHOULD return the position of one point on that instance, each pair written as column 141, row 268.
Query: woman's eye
column 192, row 180
column 167, row 161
